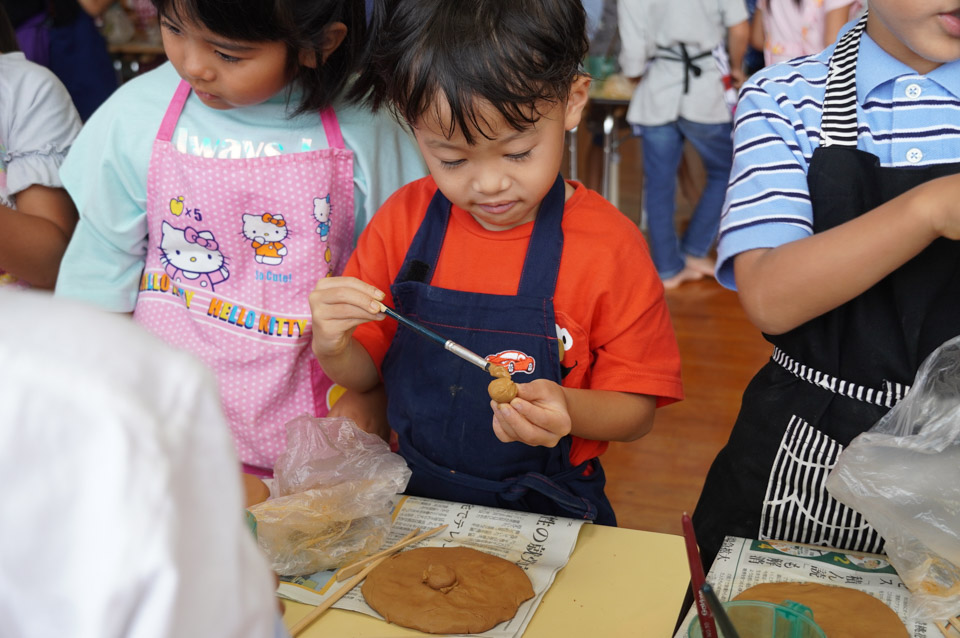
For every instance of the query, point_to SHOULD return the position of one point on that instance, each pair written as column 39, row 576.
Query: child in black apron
column 498, row 253
column 864, row 289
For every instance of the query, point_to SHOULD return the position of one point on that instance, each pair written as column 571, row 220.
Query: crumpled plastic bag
column 333, row 491
column 903, row 475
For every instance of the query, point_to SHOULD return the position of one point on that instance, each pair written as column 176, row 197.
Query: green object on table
column 251, row 522
column 601, row 67
column 755, row 619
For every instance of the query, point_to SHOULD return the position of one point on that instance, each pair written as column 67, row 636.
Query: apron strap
column 888, row 397
column 331, row 127
column 838, row 123
column 540, row 268
column 687, row 60
column 513, row 489
column 169, row 122
column 542, row 264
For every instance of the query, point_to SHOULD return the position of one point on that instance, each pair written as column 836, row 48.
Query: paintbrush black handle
column 449, row 345
column 719, row 613
column 413, row 325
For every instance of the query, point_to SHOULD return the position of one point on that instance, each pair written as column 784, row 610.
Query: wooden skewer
column 409, row 539
column 942, row 626
column 307, row 620
column 955, row 623
column 349, row 570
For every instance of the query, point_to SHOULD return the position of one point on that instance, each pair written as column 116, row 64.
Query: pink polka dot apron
column 234, row 248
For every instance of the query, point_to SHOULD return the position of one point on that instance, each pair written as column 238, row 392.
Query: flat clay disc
column 840, row 611
column 446, row 590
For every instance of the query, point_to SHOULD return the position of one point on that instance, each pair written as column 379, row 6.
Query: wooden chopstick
column 378, row 558
column 349, row 570
column 944, row 627
column 409, row 539
column 307, row 620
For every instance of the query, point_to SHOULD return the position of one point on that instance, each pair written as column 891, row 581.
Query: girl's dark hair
column 514, row 54
column 8, row 37
column 298, row 23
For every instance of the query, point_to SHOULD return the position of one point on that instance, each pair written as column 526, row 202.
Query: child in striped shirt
column 838, row 233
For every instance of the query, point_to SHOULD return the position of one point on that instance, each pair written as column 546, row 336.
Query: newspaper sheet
column 743, row 563
column 539, row 544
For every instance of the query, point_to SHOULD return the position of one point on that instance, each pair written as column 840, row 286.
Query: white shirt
column 37, row 125
column 122, row 512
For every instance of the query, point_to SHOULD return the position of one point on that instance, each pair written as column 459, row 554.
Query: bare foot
column 687, row 274
column 702, row 265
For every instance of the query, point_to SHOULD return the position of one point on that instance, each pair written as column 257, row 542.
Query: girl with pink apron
column 234, row 249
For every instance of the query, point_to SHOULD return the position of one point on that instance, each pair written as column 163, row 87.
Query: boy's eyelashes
column 511, row 156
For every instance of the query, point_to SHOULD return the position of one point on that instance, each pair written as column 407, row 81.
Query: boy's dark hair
column 514, row 54
column 297, row 23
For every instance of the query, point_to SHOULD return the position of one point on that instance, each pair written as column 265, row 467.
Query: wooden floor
column 651, row 482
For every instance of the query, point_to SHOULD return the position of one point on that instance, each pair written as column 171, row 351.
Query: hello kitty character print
column 192, row 255
column 227, row 277
column 321, row 212
column 266, row 233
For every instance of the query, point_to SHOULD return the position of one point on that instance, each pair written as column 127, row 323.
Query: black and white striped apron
column 835, row 376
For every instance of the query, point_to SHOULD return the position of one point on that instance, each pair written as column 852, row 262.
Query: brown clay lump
column 498, row 371
column 440, row 577
column 502, row 389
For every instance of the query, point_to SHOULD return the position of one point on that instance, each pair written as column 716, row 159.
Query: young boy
column 838, row 235
column 498, row 253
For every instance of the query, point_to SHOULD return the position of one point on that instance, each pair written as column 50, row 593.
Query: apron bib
column 234, row 248
column 438, row 404
column 835, row 376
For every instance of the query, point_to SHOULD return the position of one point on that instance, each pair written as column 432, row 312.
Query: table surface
column 618, row 582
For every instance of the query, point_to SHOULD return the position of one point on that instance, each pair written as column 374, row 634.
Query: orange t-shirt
column 609, row 304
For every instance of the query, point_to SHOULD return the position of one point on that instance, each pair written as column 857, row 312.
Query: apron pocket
column 797, row 506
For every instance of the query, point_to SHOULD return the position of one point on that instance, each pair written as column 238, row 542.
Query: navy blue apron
column 438, row 404
column 833, row 377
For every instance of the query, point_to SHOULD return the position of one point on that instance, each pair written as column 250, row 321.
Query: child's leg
column 715, row 147
column 662, row 151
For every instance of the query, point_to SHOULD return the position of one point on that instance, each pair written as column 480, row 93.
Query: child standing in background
column 497, row 252
column 839, row 234
column 38, row 122
column 214, row 190
column 667, row 45
column 787, row 29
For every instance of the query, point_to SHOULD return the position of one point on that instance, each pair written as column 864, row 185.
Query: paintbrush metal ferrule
column 467, row 355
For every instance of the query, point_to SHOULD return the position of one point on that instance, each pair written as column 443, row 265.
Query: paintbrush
column 449, row 345
column 719, row 613
column 708, row 626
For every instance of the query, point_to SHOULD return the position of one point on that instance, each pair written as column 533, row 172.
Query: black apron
column 438, row 404
column 833, row 377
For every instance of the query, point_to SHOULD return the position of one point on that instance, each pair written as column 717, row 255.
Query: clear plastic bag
column 904, row 477
column 333, row 492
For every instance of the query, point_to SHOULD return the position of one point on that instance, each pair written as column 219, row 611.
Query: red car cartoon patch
column 513, row 361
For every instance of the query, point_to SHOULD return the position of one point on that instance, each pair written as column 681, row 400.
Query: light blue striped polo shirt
column 904, row 118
